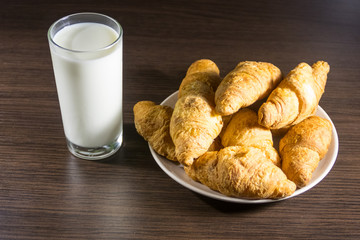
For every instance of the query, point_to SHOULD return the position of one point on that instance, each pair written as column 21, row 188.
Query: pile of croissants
column 223, row 137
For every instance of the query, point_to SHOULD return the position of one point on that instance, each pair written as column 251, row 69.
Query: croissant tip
column 203, row 65
column 324, row 66
column 264, row 117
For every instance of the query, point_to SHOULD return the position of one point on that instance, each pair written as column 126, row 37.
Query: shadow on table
column 133, row 147
column 230, row 207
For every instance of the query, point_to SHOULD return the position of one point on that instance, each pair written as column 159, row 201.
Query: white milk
column 89, row 85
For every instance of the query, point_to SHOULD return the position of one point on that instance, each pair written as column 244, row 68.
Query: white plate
column 176, row 171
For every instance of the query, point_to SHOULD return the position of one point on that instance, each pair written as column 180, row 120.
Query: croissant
column 152, row 122
column 248, row 82
column 296, row 97
column 194, row 123
column 244, row 130
column 302, row 148
column 241, row 172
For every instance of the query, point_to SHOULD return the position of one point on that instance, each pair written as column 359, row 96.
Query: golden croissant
column 296, row 97
column 244, row 130
column 241, row 172
column 194, row 123
column 302, row 148
column 152, row 122
column 248, row 82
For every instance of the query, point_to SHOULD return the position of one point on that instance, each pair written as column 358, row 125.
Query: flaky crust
column 302, row 148
column 244, row 130
column 241, row 172
column 296, row 97
column 152, row 122
column 248, row 82
column 194, row 124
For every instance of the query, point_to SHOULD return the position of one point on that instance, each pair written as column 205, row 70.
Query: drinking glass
column 86, row 52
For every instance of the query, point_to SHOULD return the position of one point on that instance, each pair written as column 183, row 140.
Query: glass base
column 96, row 153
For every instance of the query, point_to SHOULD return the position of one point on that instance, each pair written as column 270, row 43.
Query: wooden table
column 46, row 193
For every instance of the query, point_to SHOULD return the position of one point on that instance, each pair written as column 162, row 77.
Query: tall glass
column 86, row 52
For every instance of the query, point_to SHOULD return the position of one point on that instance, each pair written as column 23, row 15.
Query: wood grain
column 46, row 193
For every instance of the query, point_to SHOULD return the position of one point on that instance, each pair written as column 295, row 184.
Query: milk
column 89, row 83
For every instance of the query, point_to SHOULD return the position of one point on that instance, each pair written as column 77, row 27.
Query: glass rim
column 85, row 51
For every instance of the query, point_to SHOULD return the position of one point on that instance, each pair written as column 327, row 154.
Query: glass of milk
column 86, row 52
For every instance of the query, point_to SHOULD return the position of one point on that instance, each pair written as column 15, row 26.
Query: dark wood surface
column 46, row 193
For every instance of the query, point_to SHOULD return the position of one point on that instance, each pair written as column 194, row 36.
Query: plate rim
column 219, row 196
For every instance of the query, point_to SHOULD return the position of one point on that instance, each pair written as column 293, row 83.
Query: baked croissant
column 302, row 148
column 296, row 97
column 152, row 122
column 248, row 82
column 244, row 130
column 194, row 123
column 241, row 172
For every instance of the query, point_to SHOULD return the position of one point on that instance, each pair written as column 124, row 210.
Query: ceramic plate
column 177, row 173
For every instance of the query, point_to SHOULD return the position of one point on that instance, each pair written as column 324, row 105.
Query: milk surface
column 89, row 84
